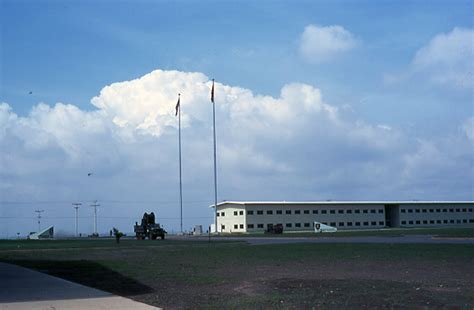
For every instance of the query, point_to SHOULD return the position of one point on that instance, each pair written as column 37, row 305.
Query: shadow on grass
column 88, row 273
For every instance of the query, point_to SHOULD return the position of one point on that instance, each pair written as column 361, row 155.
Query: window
column 357, row 223
column 470, row 210
column 250, row 226
column 288, row 225
column 357, row 211
column 431, row 210
column 373, row 223
column 451, row 210
column 324, row 211
column 366, row 211
column 445, row 221
column 315, row 211
column 438, row 221
column 241, row 226
column 340, row 211
column 297, row 224
column 349, row 223
column 464, row 221
column 431, row 221
column 445, row 210
column 366, row 223
column 458, row 221
column 223, row 227
column 404, row 222
column 306, row 224
column 403, row 210
column 463, row 210
column 325, row 223
column 381, row 223
column 418, row 222
column 297, row 211
column 410, row 222
column 217, row 214
column 259, row 212
column 222, row 213
column 269, row 212
column 425, row 222
column 471, row 220
column 438, row 210
column 410, row 211
column 372, row 211
column 332, row 211
column 341, row 224
column 417, row 210
column 236, row 226
column 424, row 210
column 306, row 212
column 451, row 221
column 457, row 210
column 279, row 212
column 241, row 212
column 249, row 212
column 235, row 213
column 288, row 212
column 349, row 211
column 380, row 210
column 332, row 224
column 260, row 225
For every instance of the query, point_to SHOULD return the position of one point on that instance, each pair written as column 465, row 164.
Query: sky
column 315, row 100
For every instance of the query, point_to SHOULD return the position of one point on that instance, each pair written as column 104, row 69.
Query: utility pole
column 76, row 206
column 39, row 218
column 95, row 205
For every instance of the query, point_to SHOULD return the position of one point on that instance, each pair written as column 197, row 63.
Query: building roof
column 331, row 202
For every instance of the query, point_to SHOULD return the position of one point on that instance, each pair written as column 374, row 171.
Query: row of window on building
column 429, row 222
column 289, row 212
column 308, row 225
column 435, row 210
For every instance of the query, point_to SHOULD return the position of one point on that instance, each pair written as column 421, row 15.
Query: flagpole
column 215, row 156
column 180, row 181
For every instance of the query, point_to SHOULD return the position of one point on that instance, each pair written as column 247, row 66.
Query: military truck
column 148, row 228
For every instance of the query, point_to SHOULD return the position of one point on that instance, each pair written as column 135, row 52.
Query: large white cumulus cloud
column 294, row 146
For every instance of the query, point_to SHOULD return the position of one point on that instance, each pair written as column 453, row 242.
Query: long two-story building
column 254, row 216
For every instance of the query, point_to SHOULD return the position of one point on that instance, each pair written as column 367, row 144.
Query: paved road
column 418, row 239
column 22, row 288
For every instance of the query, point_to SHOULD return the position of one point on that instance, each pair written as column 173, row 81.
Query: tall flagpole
column 178, row 111
column 215, row 156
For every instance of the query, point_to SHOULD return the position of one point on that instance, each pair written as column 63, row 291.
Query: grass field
column 187, row 274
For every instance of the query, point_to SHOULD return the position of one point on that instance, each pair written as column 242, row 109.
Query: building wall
column 231, row 219
column 415, row 215
column 300, row 217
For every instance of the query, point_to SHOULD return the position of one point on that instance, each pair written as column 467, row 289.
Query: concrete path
column 22, row 288
column 416, row 239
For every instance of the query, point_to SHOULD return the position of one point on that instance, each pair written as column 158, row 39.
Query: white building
column 254, row 216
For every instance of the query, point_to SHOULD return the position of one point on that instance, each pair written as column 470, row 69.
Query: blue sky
column 399, row 74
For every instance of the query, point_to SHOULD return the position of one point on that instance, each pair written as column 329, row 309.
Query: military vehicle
column 148, row 228
column 274, row 229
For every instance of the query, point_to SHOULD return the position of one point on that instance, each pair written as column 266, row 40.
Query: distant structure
column 254, row 216
column 47, row 233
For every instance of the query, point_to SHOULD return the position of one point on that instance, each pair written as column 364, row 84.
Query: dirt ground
column 370, row 285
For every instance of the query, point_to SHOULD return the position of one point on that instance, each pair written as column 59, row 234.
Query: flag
column 212, row 91
column 177, row 105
